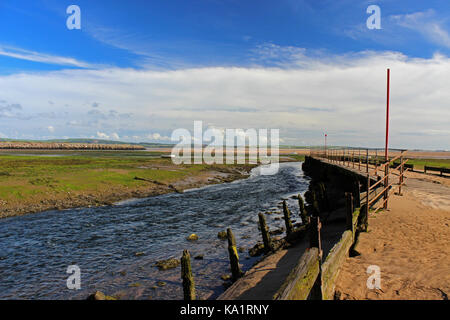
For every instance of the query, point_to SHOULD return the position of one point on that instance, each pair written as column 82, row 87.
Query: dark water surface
column 36, row 249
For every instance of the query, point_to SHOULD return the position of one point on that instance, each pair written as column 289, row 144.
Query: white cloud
column 342, row 95
column 102, row 135
column 51, row 129
column 157, row 136
column 23, row 54
column 115, row 136
column 426, row 23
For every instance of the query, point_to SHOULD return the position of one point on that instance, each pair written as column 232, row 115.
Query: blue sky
column 137, row 70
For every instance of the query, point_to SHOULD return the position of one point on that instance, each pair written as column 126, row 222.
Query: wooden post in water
column 186, row 275
column 234, row 257
column 302, row 210
column 287, row 218
column 265, row 233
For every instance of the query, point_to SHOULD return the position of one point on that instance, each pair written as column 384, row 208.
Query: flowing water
column 117, row 246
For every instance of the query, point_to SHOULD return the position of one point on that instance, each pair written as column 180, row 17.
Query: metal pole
column 386, row 151
column 387, row 116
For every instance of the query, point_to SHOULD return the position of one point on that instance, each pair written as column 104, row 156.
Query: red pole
column 387, row 117
column 386, row 156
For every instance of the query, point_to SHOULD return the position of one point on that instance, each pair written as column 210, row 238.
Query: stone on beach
column 167, row 264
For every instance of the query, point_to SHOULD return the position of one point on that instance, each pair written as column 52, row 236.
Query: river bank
column 117, row 247
column 62, row 188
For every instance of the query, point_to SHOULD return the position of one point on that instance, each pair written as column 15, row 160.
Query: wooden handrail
column 375, row 184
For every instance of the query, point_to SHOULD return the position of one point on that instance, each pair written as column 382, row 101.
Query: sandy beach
column 410, row 243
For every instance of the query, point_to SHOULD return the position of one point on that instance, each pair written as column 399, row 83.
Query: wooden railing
column 367, row 162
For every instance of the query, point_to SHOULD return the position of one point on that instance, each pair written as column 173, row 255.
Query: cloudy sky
column 137, row 70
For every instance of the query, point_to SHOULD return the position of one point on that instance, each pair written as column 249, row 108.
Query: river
column 117, row 246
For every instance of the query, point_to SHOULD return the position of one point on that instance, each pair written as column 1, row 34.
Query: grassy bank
column 420, row 163
column 30, row 183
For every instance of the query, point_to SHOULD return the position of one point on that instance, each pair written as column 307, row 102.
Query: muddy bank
column 115, row 193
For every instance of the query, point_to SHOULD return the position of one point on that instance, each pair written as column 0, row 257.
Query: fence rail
column 368, row 162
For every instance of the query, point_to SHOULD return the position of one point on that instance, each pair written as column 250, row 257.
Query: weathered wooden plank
column 331, row 266
column 300, row 281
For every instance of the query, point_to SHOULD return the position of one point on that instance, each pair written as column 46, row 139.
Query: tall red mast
column 386, row 148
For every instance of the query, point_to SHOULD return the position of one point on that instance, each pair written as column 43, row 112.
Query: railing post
column 368, row 192
column 386, row 183
column 353, row 157
column 186, row 275
column 400, row 178
column 359, row 159
column 376, row 162
column 367, row 160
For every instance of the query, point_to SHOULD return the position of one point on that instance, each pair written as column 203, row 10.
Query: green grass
column 420, row 163
column 295, row 156
column 22, row 177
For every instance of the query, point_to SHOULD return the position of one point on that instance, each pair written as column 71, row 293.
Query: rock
column 222, row 235
column 198, row 257
column 161, row 283
column 245, row 237
column 98, row 295
column 167, row 264
column 257, row 250
column 136, row 284
column 138, row 254
column 225, row 277
column 277, row 231
column 192, row 237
